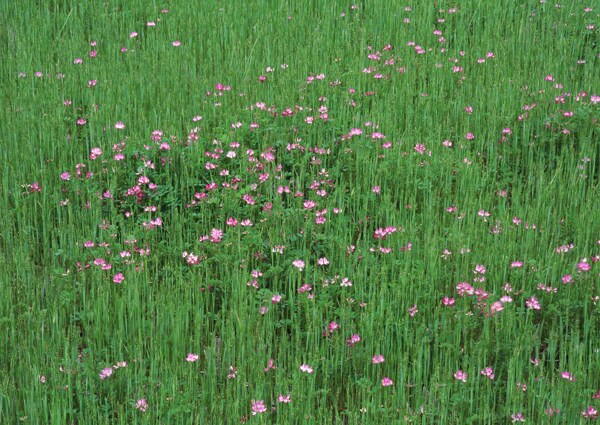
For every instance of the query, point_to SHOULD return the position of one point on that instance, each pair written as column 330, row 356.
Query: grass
column 473, row 146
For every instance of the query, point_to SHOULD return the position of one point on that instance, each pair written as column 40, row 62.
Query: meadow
column 310, row 212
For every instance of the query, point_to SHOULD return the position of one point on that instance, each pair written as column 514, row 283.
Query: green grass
column 518, row 196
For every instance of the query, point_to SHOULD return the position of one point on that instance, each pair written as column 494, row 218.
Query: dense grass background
column 519, row 195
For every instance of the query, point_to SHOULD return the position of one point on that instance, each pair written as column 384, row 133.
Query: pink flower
column 463, row 288
column 299, row 264
column 275, row 299
column 270, row 365
column 590, row 413
column 119, row 125
column 378, row 358
column 177, row 43
column 518, row 417
column 284, row 399
column 65, row 176
column 118, row 278
column 496, row 307
column 232, row 372
column 516, row 264
column 310, row 204
column 381, row 232
column 489, row 372
column 568, row 376
column 191, row 357
column 355, row 338
column 567, row 279
column 105, row 373
column 332, row 327
column 533, row 304
column 306, row 368
column 448, row 302
column 583, row 266
column 420, row 148
column 95, row 153
column 323, row 261
column 386, row 382
column 141, row 405
column 216, row 235
column 459, row 375
column 413, row 310
column 258, row 407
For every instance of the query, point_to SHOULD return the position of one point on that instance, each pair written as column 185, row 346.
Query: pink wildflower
column 496, row 307
column 448, row 302
column 488, row 372
column 583, row 266
column 518, row 417
column 533, row 304
column 299, row 264
column 306, row 368
column 353, row 340
column 270, row 365
column 141, row 405
column 258, row 407
column 378, row 358
column 284, row 398
column 386, row 382
column 105, row 373
column 590, row 413
column 568, row 376
column 420, row 148
column 459, row 375
column 191, row 357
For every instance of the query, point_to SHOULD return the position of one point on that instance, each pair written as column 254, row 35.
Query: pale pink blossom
column 106, row 372
column 386, row 382
column 191, row 357
column 459, row 375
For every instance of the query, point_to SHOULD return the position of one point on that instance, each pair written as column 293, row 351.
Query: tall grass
column 478, row 146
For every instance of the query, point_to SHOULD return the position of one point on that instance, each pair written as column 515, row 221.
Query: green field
column 310, row 212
